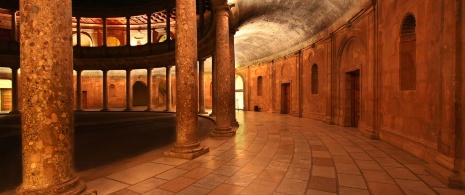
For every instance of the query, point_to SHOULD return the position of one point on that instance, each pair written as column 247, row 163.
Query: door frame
column 283, row 97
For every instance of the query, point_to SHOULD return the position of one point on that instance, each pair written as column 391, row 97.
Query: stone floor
column 279, row 154
column 274, row 154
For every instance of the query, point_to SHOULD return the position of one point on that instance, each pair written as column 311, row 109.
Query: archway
column 139, row 94
column 113, row 42
column 86, row 41
column 239, row 105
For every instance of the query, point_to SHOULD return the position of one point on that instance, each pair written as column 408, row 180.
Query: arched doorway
column 113, row 42
column 139, row 94
column 239, row 93
column 86, row 41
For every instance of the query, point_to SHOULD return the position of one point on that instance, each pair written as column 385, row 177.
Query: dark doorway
column 139, row 94
column 84, row 99
column 286, row 98
column 355, row 97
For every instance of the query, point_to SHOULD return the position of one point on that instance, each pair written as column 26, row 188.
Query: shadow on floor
column 100, row 138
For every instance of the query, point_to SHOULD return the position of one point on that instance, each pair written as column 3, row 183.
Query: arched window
column 259, row 85
column 407, row 49
column 315, row 79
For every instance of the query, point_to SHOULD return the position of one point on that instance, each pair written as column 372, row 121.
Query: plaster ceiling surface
column 268, row 28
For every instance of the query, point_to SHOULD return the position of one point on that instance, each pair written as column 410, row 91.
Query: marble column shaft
column 105, row 90
column 202, row 86
column 78, row 31
column 222, row 54
column 13, row 25
column 168, row 89
column 232, row 100
column 128, row 31
column 47, row 98
column 149, row 89
column 187, row 144
column 14, row 91
column 79, row 90
column 128, row 91
column 104, row 32
column 213, row 86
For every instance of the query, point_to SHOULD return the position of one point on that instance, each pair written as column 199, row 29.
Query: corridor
column 275, row 154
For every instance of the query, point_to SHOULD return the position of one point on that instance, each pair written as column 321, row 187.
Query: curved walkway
column 283, row 155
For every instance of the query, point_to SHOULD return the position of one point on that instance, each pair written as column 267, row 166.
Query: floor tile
column 414, row 187
column 171, row 174
column 125, row 192
column 227, row 189
column 139, row 173
column 325, row 162
column 292, row 186
column 378, row 176
column 210, row 181
column 323, row 184
column 271, row 175
column 260, row 187
column 227, row 170
column 158, row 192
column 316, row 192
column 147, row 185
column 347, row 169
column 241, row 179
column 170, row 161
column 298, row 173
column 352, row 191
column 192, row 190
column 105, row 186
column 384, row 189
column 323, row 171
column 177, row 184
column 352, row 181
column 198, row 173
column 401, row 173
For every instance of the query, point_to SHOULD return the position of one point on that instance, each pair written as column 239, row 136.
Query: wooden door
column 7, row 99
column 84, row 99
column 286, row 98
column 356, row 97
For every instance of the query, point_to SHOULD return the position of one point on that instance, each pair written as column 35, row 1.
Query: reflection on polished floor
column 274, row 154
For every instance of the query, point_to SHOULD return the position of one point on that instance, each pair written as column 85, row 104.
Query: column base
column 234, row 123
column 15, row 112
column 73, row 186
column 127, row 109
column 187, row 155
column 105, row 110
column 444, row 175
column 223, row 133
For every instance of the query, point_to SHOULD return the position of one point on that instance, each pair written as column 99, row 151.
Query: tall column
column 168, row 89
column 202, row 86
column 78, row 90
column 149, row 89
column 213, row 88
column 128, row 32
column 128, row 91
column 201, row 16
column 78, row 31
column 168, row 28
column 187, row 144
column 232, row 100
column 222, row 54
column 105, row 90
column 104, row 39
column 149, row 29
column 13, row 25
column 47, row 99
column 14, row 82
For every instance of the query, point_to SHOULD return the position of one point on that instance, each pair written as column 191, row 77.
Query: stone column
column 202, row 87
column 222, row 54
column 13, row 25
column 105, row 90
column 47, row 99
column 78, row 90
column 168, row 28
column 149, row 89
column 149, row 29
column 232, row 100
column 187, row 144
column 78, row 31
column 168, row 89
column 128, row 32
column 213, row 88
column 104, row 32
column 14, row 82
column 201, row 17
column 128, row 91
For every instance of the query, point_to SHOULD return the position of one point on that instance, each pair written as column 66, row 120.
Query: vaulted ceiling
column 273, row 28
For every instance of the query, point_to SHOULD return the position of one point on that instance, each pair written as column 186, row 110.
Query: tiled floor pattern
column 280, row 154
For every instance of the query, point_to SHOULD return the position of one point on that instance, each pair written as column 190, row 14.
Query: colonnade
column 47, row 102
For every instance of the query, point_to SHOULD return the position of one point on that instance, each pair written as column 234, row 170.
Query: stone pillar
column 78, row 31
column 14, row 82
column 13, row 25
column 187, row 144
column 105, row 90
column 149, row 29
column 47, row 99
column 128, row 32
column 168, row 89
column 149, row 89
column 213, row 88
column 168, row 28
column 222, row 54
column 104, row 39
column 78, row 90
column 232, row 100
column 202, row 87
column 201, row 17
column 128, row 91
